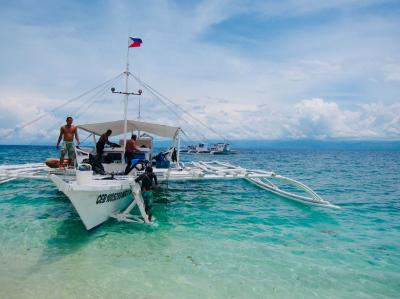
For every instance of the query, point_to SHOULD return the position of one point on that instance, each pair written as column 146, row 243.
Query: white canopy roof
column 117, row 128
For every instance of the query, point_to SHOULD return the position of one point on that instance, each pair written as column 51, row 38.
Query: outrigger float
column 98, row 197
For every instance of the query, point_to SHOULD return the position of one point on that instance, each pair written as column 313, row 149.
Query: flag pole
column 126, row 97
column 126, row 93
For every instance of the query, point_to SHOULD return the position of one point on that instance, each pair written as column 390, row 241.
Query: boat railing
column 80, row 155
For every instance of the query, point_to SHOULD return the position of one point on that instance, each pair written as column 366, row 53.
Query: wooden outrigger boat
column 98, row 197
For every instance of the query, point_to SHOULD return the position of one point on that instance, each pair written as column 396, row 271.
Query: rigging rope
column 86, row 138
column 95, row 98
column 159, row 95
column 89, row 103
column 181, row 117
column 44, row 114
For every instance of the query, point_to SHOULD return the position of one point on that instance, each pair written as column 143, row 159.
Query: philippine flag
column 136, row 42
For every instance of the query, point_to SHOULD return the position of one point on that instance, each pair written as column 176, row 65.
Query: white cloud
column 210, row 12
column 17, row 111
column 392, row 72
column 316, row 118
column 311, row 118
column 304, row 7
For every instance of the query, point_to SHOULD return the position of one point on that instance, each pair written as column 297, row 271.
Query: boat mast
column 138, row 132
column 126, row 97
column 126, row 93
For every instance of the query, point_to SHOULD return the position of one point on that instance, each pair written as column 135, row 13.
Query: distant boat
column 201, row 148
column 215, row 149
column 221, row 149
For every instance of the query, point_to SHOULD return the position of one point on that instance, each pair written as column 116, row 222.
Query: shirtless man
column 130, row 150
column 68, row 131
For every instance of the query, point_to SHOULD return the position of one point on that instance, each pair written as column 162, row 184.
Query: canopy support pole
column 179, row 148
column 94, row 140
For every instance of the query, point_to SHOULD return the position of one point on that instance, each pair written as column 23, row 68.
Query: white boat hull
column 95, row 206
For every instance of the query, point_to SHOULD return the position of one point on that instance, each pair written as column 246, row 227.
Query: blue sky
column 250, row 69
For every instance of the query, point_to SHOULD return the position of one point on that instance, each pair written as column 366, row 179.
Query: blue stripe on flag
column 136, row 40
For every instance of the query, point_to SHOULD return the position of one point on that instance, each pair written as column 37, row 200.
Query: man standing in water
column 147, row 179
column 67, row 133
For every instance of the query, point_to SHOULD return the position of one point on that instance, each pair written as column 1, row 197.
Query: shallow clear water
column 225, row 239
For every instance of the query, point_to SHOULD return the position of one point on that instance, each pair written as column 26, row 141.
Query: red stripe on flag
column 134, row 45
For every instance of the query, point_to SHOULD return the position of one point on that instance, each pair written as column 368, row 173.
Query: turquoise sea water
column 226, row 239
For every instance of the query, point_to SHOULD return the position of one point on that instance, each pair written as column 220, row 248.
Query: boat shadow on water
column 69, row 237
